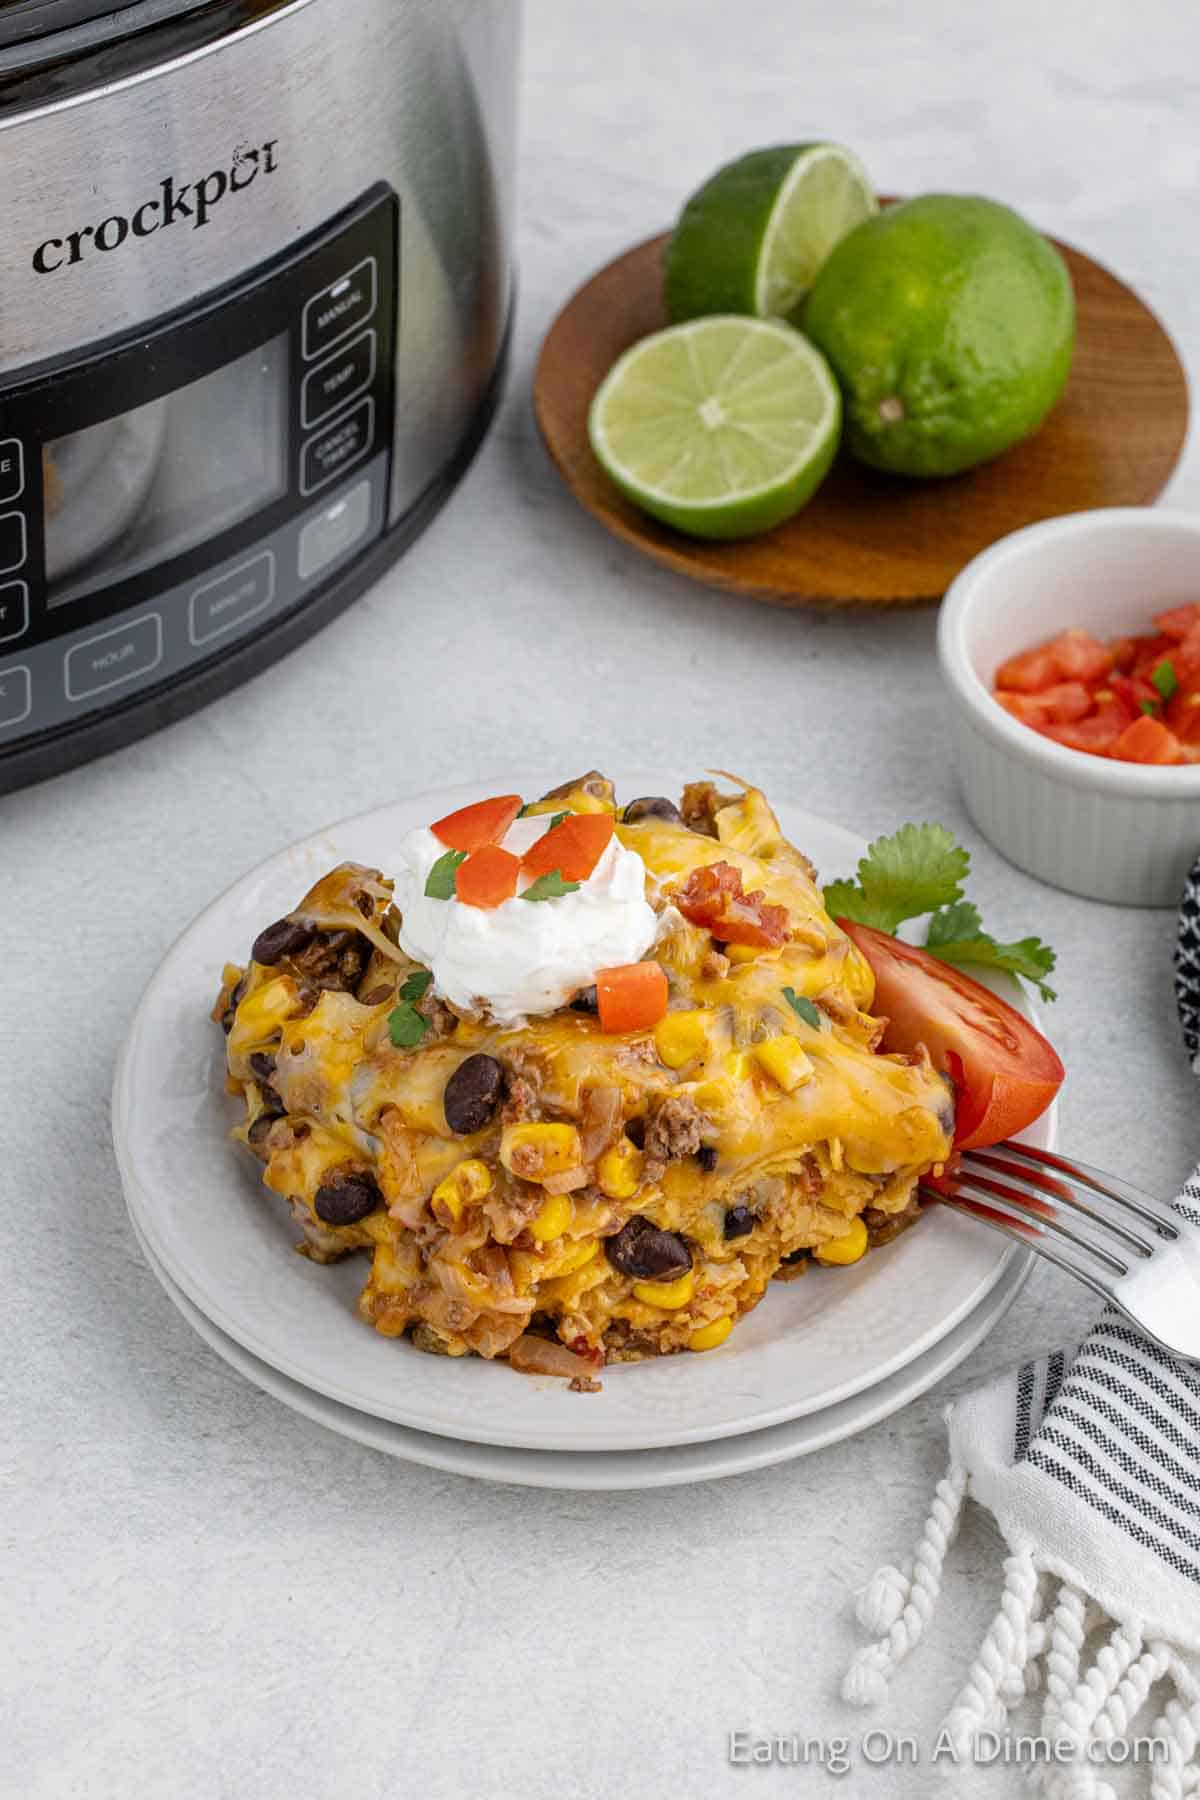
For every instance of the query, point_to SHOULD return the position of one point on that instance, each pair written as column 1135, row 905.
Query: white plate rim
column 614, row 1471
column 584, row 1435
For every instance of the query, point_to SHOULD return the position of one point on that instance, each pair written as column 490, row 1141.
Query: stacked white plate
column 819, row 1359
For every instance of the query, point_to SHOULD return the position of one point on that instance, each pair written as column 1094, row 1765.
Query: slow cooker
column 254, row 296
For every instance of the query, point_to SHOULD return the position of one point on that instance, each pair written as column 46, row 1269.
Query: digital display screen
column 134, row 491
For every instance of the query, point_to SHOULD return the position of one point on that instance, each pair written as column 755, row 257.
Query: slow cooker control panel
column 170, row 495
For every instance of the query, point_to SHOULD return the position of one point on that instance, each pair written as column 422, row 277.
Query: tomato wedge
column 471, row 827
column 1004, row 1072
column 488, row 877
column 573, row 848
column 632, row 997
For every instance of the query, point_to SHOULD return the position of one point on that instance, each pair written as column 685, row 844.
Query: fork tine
column 1039, row 1212
column 1023, row 1233
column 1156, row 1213
column 1074, row 1197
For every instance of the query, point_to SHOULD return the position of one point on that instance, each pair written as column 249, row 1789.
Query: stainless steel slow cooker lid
column 22, row 21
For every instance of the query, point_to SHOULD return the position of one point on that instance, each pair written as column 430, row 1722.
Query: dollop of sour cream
column 525, row 956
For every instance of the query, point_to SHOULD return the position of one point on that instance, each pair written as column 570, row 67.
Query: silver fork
column 1134, row 1251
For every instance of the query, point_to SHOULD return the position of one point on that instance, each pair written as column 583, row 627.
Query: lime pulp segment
column 826, row 194
column 722, row 426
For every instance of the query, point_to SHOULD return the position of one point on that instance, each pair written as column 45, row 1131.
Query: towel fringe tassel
column 1038, row 1636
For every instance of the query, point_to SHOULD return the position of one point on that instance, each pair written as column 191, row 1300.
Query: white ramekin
column 1115, row 831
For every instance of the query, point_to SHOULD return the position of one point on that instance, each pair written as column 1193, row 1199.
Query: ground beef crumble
column 674, row 1129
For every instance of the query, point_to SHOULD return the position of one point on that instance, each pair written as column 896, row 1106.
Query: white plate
column 227, row 1244
column 613, row 1470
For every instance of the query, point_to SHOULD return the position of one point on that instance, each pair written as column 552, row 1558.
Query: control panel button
column 338, row 380
column 12, row 470
column 114, row 657
column 340, row 309
column 12, row 541
column 335, row 530
column 338, row 447
column 232, row 598
column 14, row 610
column 16, row 696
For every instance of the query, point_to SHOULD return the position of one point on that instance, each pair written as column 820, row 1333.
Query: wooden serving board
column 866, row 538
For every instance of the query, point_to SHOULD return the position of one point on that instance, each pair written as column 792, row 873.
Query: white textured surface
column 204, row 1595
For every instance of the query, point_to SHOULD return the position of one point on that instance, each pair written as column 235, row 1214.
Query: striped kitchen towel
column 1089, row 1461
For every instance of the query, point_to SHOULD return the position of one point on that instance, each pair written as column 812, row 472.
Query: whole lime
column 949, row 323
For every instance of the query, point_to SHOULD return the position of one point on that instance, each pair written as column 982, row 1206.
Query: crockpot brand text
column 176, row 202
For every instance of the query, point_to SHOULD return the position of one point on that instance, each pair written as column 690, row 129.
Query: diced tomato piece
column 1079, row 656
column 713, row 896
column 1073, row 655
column 1029, row 672
column 1056, row 705
column 1178, row 621
column 488, row 877
column 632, row 997
column 1147, row 741
column 471, row 827
column 573, row 848
column 1183, row 715
column 1124, row 653
column 1185, row 659
column 1094, row 734
column 1132, row 693
column 1150, row 652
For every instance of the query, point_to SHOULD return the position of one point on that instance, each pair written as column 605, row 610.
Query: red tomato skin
column 1005, row 1072
column 1094, row 735
column 471, row 827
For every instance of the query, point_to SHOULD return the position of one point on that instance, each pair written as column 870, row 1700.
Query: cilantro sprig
column 439, row 883
column 921, row 869
column 406, row 1026
column 800, row 1003
column 549, row 887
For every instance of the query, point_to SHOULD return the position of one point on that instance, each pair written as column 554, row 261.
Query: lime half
column 722, row 427
column 754, row 238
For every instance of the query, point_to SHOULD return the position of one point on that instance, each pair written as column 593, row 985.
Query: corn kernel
column 572, row 1259
column 619, row 1171
column 552, row 1219
column 470, row 1181
column 785, row 1062
column 534, row 1150
column 709, row 1336
column 681, row 1037
column 845, row 1249
column 741, row 953
column 670, row 1295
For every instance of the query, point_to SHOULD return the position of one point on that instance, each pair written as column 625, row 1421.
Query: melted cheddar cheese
column 628, row 1194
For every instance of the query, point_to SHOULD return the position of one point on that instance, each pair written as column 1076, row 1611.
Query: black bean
column 738, row 1221
column 635, row 1131
column 473, row 1093
column 262, row 1064
column 286, row 937
column 346, row 1198
column 646, row 1252
column 586, row 1001
column 652, row 806
column 706, row 1156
